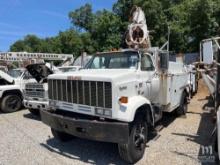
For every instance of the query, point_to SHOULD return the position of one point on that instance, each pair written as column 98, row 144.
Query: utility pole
column 168, row 44
column 217, row 93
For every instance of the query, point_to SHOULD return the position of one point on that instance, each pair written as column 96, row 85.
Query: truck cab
column 120, row 93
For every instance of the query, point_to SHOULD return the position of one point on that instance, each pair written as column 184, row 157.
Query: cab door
column 150, row 79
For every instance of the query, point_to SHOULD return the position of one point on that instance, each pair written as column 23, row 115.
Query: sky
column 43, row 18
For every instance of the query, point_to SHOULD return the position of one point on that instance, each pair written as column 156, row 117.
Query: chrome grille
column 91, row 93
column 34, row 90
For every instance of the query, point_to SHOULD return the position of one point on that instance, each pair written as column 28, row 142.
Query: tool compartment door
column 178, row 84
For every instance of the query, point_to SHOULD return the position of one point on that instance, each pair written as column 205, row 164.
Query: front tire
column 134, row 150
column 183, row 108
column 61, row 136
column 11, row 103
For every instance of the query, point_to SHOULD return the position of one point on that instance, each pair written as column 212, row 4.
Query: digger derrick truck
column 117, row 98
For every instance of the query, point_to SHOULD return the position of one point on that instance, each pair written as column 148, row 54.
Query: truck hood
column 97, row 75
column 39, row 71
column 6, row 77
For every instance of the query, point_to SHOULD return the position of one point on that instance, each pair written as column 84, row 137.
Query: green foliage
column 103, row 27
column 189, row 21
column 82, row 17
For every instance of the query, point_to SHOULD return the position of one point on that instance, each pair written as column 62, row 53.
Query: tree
column 202, row 22
column 190, row 21
column 18, row 46
column 70, row 42
column 103, row 27
column 106, row 30
column 82, row 17
column 30, row 43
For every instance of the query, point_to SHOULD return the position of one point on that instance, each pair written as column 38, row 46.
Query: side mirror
column 207, row 54
column 164, row 61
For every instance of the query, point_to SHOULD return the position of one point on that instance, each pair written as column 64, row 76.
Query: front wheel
column 11, row 103
column 61, row 136
column 134, row 150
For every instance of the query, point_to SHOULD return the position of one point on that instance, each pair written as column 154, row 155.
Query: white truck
column 116, row 98
column 36, row 93
column 12, row 84
column 192, row 79
column 11, row 87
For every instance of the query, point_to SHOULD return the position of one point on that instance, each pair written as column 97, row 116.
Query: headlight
column 52, row 103
column 103, row 112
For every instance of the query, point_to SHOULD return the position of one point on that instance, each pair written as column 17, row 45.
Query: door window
column 147, row 63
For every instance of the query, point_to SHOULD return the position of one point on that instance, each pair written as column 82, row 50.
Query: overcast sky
column 41, row 17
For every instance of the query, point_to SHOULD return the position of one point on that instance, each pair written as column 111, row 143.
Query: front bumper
column 106, row 131
column 34, row 104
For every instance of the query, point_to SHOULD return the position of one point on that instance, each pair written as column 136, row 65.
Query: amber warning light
column 123, row 100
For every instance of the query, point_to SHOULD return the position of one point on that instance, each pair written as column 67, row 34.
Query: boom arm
column 20, row 56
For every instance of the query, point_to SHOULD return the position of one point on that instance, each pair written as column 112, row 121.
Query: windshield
column 15, row 73
column 116, row 60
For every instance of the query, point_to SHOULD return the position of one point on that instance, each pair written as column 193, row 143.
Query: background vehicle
column 36, row 94
column 193, row 79
column 13, row 82
column 209, row 68
column 11, row 87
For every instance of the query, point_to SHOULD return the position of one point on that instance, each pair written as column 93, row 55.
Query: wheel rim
column 13, row 103
column 139, row 136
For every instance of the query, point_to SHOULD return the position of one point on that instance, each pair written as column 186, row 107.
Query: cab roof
column 118, row 51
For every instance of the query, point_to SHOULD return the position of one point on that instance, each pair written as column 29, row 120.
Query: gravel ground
column 24, row 140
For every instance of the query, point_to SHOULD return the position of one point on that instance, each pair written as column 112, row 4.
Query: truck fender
column 13, row 91
column 135, row 103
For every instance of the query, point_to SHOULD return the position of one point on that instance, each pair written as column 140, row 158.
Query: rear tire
column 134, row 150
column 35, row 112
column 61, row 136
column 182, row 109
column 11, row 103
column 197, row 86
